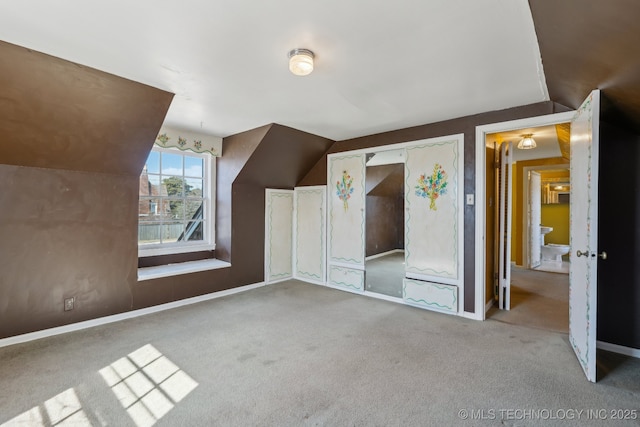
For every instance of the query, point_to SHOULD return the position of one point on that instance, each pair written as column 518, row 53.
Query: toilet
column 552, row 252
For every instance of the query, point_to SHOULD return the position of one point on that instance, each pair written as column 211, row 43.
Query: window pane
column 171, row 164
column 149, row 185
column 176, row 209
column 193, row 187
column 173, row 186
column 172, row 231
column 194, row 231
column 193, row 166
column 153, row 162
column 148, row 233
column 149, row 209
column 193, row 209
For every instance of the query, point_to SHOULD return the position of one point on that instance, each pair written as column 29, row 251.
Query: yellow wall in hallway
column 556, row 216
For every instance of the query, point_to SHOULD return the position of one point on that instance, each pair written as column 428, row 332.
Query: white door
column 433, row 211
column 504, row 226
column 346, row 202
column 278, row 247
column 584, row 233
column 534, row 215
column 309, row 227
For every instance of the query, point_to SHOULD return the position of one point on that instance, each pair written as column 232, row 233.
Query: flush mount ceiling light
column 301, row 62
column 527, row 142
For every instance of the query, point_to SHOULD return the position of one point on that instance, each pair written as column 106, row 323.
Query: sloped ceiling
column 57, row 114
column 380, row 67
column 591, row 44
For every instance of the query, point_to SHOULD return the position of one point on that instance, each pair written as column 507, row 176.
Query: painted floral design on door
column 432, row 186
column 344, row 189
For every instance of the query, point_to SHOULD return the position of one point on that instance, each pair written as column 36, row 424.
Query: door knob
column 603, row 255
column 580, row 253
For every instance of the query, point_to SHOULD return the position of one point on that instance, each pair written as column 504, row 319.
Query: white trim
column 313, row 282
column 31, row 336
column 345, row 289
column 480, row 177
column 383, row 297
column 184, row 248
column 284, row 279
column 148, row 273
column 620, row 349
column 381, row 254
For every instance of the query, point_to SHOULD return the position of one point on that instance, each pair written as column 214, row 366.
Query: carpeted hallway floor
column 295, row 354
column 538, row 300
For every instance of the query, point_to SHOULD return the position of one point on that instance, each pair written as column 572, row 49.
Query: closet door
column 346, row 221
column 278, row 253
column 434, row 211
column 310, row 233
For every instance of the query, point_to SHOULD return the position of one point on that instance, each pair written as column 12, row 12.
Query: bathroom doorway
column 550, row 242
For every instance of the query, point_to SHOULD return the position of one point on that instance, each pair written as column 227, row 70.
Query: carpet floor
column 296, row 354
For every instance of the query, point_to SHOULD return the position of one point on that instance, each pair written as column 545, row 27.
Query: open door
column 584, row 233
column 534, row 216
column 504, row 226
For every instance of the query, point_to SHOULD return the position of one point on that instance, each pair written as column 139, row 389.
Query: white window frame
column 208, row 242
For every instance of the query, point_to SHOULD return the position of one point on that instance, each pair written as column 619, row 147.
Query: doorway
column 538, row 298
column 485, row 202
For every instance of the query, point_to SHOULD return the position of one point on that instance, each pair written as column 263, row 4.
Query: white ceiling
column 380, row 65
column 546, row 138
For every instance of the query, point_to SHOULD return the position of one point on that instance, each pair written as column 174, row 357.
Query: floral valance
column 198, row 143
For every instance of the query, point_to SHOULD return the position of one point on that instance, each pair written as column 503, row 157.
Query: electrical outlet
column 68, row 303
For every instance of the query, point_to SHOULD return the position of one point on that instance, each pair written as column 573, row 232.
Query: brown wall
column 73, row 141
column 466, row 125
column 65, row 234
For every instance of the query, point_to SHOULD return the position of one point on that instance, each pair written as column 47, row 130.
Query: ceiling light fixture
column 301, row 62
column 527, row 142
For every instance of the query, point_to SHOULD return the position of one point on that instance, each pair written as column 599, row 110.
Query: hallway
column 538, row 300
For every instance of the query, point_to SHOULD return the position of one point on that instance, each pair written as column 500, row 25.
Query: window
column 175, row 203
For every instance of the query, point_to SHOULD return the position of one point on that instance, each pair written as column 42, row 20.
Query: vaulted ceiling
column 395, row 65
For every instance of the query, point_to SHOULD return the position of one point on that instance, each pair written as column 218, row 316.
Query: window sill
column 146, row 251
column 148, row 273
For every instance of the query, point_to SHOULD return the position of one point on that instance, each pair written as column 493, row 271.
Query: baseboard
column 313, row 282
column 283, row 279
column 383, row 297
column 615, row 348
column 380, row 255
column 471, row 316
column 31, row 336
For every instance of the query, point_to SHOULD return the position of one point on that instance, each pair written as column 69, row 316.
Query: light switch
column 470, row 199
